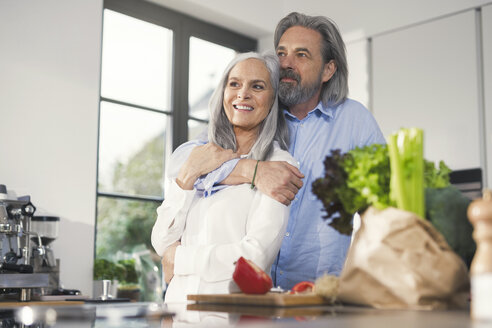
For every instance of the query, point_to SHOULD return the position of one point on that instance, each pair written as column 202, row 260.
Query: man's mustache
column 285, row 73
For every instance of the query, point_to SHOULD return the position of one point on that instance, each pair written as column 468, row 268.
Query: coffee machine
column 26, row 261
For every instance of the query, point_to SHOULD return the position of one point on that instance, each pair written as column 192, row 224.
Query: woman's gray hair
column 335, row 90
column 273, row 127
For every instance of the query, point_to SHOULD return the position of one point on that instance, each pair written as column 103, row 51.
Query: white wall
column 49, row 89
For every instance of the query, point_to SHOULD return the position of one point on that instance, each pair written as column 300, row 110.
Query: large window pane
column 123, row 231
column 131, row 150
column 123, row 224
column 207, row 63
column 136, row 61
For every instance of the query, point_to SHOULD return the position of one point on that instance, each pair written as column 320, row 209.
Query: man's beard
column 291, row 94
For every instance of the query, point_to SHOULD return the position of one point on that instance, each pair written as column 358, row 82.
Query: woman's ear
column 328, row 70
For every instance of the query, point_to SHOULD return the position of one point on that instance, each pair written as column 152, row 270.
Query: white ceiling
column 356, row 18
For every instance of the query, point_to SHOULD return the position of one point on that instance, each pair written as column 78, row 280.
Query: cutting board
column 268, row 299
column 40, row 303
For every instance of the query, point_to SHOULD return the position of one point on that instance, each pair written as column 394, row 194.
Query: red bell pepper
column 250, row 278
column 302, row 287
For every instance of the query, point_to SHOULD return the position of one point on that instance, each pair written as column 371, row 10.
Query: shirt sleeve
column 265, row 227
column 171, row 217
column 370, row 133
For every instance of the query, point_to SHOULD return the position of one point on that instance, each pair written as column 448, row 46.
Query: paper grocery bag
column 398, row 260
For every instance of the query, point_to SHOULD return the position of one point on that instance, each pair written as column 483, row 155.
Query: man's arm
column 277, row 179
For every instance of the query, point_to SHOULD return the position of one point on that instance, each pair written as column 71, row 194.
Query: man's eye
column 302, row 54
column 280, row 54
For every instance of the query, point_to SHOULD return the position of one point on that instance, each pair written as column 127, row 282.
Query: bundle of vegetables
column 366, row 177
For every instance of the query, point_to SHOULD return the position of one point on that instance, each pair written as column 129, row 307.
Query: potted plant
column 128, row 287
column 107, row 270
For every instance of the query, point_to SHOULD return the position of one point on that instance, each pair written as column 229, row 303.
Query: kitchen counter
column 206, row 315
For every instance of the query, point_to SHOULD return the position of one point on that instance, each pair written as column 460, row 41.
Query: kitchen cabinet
column 426, row 76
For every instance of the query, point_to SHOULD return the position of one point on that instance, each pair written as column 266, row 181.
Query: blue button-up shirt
column 310, row 246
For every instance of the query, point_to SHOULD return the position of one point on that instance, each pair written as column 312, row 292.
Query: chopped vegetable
column 303, row 287
column 250, row 278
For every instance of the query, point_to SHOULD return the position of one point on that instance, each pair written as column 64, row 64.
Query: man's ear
column 328, row 70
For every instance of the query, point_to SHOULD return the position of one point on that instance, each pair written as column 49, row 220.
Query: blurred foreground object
column 480, row 215
column 399, row 261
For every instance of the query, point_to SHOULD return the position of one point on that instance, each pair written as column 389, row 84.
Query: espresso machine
column 27, row 263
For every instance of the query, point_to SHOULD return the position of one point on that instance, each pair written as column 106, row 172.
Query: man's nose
column 286, row 62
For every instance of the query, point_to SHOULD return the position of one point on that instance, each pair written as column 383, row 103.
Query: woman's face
column 248, row 95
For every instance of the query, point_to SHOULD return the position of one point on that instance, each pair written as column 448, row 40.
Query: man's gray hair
column 272, row 128
column 335, row 90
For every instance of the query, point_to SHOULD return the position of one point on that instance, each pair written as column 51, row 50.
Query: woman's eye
column 258, row 87
column 233, row 84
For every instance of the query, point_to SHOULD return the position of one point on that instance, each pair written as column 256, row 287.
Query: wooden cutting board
column 268, row 299
column 40, row 303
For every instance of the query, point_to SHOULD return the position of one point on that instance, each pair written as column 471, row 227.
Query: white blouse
column 215, row 231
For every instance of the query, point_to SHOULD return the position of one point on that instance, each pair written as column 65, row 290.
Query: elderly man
column 313, row 93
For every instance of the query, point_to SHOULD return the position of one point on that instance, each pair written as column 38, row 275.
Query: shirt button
column 287, row 234
column 295, row 198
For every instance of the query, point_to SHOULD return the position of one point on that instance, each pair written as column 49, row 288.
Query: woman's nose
column 243, row 93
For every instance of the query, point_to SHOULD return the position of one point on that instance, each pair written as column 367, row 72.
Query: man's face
column 302, row 69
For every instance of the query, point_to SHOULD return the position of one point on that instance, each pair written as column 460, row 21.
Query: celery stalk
column 407, row 170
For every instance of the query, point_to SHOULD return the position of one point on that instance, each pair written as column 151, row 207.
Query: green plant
column 124, row 271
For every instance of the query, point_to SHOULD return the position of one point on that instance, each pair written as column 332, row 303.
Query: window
column 159, row 69
column 203, row 79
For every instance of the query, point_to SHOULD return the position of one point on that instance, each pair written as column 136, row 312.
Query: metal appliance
column 25, row 265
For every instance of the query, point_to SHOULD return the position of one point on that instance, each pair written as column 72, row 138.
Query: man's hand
column 168, row 261
column 279, row 180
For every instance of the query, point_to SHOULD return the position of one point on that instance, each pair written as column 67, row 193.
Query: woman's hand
column 168, row 261
column 202, row 160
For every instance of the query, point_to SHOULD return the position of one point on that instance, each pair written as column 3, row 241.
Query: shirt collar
column 328, row 111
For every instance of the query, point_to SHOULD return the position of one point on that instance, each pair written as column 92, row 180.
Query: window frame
column 183, row 27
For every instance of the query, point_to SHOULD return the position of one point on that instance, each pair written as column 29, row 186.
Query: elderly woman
column 214, row 231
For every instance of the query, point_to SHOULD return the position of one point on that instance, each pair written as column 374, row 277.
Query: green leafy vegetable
column 436, row 178
column 361, row 178
column 328, row 188
column 352, row 182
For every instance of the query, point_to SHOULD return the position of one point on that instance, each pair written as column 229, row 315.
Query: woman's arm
column 265, row 229
column 171, row 217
